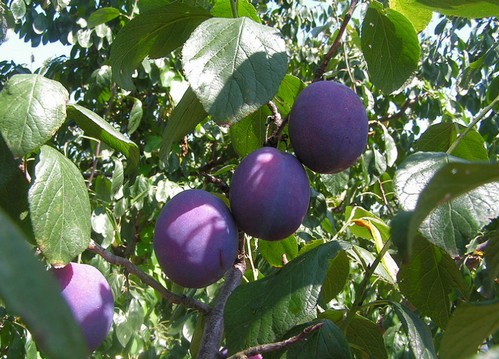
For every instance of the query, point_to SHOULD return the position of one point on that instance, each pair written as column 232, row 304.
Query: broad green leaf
column 289, row 89
column 249, row 134
column 428, row 278
column 418, row 333
column 366, row 338
column 336, row 183
column 326, row 342
column 234, row 66
column 464, row 8
column 451, row 199
column 470, row 325
column 366, row 258
column 419, row 17
column 184, row 119
column 492, row 256
column 439, row 137
column 117, row 180
column 222, row 8
column 130, row 326
column 336, row 278
column 154, row 33
column 13, row 190
column 30, row 292
column 95, row 126
column 59, row 207
column 274, row 251
column 32, row 108
column 263, row 311
column 135, row 116
column 390, row 46
column 102, row 15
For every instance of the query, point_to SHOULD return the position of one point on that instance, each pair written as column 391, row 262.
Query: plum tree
column 90, row 299
column 328, row 127
column 195, row 238
column 269, row 194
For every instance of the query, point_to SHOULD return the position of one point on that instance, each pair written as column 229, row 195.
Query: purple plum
column 90, row 299
column 195, row 239
column 269, row 194
column 328, row 127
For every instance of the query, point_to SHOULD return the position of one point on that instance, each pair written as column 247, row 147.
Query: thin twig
column 279, row 124
column 336, row 43
column 147, row 279
column 266, row 348
column 407, row 104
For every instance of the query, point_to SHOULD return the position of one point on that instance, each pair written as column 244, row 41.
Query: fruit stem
column 477, row 119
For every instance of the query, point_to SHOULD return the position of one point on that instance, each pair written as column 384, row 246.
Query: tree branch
column 147, row 279
column 336, row 43
column 407, row 104
column 279, row 122
column 266, row 348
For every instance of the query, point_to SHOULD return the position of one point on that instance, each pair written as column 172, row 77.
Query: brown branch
column 266, row 348
column 336, row 43
column 407, row 104
column 279, row 123
column 224, row 187
column 147, row 279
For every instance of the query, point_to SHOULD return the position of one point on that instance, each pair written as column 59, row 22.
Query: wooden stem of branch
column 279, row 123
column 147, row 279
column 266, row 348
column 407, row 104
column 336, row 43
column 214, row 325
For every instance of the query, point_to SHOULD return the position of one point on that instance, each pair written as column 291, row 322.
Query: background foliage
column 397, row 256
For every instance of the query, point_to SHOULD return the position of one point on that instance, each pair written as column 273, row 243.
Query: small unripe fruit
column 269, row 194
column 195, row 239
column 328, row 127
column 90, row 299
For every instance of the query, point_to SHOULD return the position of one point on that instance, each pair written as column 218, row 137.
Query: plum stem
column 270, row 347
column 147, row 279
column 336, row 43
column 279, row 124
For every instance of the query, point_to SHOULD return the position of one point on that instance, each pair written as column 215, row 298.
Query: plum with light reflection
column 328, row 127
column 269, row 194
column 195, row 239
column 90, row 299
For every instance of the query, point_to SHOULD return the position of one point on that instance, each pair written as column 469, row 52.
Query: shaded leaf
column 102, row 15
column 366, row 338
column 234, row 66
column 30, row 292
column 95, row 126
column 249, row 134
column 155, row 33
column 263, row 311
column 336, row 278
column 390, row 46
column 470, row 325
column 274, row 251
column 427, row 280
column 418, row 333
column 59, row 207
column 32, row 108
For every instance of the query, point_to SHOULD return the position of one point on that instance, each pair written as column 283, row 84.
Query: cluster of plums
column 196, row 234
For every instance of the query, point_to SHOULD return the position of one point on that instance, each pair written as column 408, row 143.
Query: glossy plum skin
column 195, row 239
column 90, row 299
column 269, row 194
column 328, row 127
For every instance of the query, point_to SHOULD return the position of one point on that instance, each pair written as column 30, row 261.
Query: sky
column 21, row 52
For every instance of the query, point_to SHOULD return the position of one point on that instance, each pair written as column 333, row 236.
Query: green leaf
column 59, row 207
column 32, row 108
column 289, row 89
column 419, row 17
column 249, row 134
column 427, row 280
column 222, row 8
column 30, row 292
column 95, row 126
column 326, row 342
column 439, row 137
column 18, row 9
column 366, row 338
column 263, row 311
column 470, row 325
column 336, row 278
column 13, row 190
column 418, row 333
column 492, row 256
column 135, row 116
column 390, row 46
column 154, row 33
column 102, row 15
column 274, row 251
column 234, row 66
column 130, row 326
column 464, row 8
column 184, row 119
column 442, row 189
